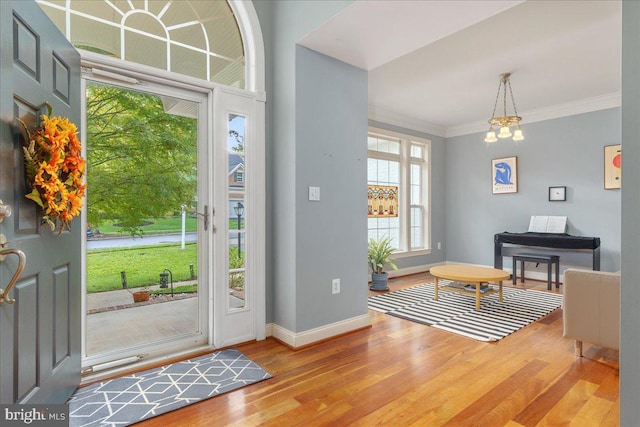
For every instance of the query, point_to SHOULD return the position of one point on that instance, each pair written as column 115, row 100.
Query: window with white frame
column 401, row 161
column 191, row 37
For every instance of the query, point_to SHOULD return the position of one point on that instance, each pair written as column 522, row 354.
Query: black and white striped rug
column 456, row 312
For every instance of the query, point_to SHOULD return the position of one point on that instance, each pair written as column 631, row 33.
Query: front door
column 40, row 331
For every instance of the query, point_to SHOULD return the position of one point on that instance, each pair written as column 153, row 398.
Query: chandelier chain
column 504, row 99
column 495, row 104
column 513, row 101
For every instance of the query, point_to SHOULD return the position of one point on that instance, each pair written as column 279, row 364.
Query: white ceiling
column 434, row 65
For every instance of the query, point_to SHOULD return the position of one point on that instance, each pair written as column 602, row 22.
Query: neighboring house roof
column 235, row 162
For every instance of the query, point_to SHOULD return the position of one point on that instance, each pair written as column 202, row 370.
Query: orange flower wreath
column 55, row 169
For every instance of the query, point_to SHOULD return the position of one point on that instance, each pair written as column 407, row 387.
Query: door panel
column 236, row 300
column 40, row 332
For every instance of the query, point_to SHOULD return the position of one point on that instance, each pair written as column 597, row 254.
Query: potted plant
column 379, row 255
column 141, row 295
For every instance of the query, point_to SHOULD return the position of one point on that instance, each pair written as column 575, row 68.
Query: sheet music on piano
column 548, row 224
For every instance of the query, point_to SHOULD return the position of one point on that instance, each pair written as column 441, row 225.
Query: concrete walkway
column 117, row 329
column 104, row 300
column 123, row 298
column 114, row 321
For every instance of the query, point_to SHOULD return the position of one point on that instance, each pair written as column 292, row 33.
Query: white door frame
column 255, row 275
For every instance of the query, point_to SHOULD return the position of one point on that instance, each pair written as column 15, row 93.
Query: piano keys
column 546, row 240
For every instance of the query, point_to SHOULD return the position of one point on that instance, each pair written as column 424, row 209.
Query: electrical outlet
column 439, row 245
column 335, row 286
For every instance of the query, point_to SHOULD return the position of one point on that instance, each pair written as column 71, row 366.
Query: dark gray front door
column 40, row 332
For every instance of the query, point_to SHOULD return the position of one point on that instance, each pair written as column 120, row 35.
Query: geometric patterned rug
column 127, row 400
column 456, row 312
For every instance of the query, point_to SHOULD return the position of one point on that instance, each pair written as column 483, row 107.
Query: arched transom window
column 192, row 37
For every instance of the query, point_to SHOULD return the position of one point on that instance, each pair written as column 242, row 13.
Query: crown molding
column 581, row 106
column 390, row 117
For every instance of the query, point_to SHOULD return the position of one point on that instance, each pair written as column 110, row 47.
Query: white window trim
column 405, row 178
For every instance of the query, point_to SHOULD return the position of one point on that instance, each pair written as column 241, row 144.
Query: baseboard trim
column 407, row 271
column 314, row 336
column 411, row 270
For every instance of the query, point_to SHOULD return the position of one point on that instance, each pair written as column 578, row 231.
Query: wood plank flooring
column 400, row 373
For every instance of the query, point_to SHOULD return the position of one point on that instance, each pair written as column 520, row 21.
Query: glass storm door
column 148, row 221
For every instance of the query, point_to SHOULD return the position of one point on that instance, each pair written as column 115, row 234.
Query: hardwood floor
column 400, row 373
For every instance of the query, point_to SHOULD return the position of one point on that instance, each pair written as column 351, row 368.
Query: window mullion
column 405, row 191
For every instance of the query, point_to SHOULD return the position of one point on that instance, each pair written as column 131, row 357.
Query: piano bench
column 538, row 259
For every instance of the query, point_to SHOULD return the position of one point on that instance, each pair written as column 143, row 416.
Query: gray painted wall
column 438, row 193
column 561, row 152
column 469, row 231
column 283, row 23
column 630, row 306
column 331, row 153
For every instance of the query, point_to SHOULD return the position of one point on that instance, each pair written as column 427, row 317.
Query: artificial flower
column 55, row 169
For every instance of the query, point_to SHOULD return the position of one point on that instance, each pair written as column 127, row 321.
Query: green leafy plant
column 236, row 280
column 379, row 254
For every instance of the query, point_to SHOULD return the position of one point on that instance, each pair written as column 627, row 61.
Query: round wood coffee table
column 471, row 274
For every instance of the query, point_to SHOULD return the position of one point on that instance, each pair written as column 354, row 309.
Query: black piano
column 546, row 240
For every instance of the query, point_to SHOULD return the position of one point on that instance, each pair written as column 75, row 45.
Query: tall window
column 401, row 161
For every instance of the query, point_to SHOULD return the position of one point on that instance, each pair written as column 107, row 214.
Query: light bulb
column 517, row 135
column 491, row 137
column 504, row 132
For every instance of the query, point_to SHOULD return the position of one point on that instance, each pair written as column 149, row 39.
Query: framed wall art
column 558, row 194
column 504, row 175
column 612, row 167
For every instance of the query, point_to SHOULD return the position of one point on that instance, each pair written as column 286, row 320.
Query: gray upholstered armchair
column 591, row 308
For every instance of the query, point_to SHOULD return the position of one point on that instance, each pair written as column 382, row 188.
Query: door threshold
column 137, row 363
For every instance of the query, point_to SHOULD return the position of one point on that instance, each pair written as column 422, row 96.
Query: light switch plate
column 314, row 194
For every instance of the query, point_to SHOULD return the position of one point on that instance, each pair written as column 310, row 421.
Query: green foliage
column 141, row 161
column 239, row 142
column 236, row 280
column 379, row 254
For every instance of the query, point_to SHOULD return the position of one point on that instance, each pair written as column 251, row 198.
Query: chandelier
column 504, row 122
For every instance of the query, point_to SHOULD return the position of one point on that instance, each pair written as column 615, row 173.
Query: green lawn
column 142, row 264
column 163, row 226
column 159, row 226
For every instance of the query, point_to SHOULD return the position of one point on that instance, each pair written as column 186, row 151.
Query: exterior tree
column 141, row 160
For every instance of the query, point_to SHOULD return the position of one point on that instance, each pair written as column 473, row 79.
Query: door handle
column 22, row 261
column 205, row 216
